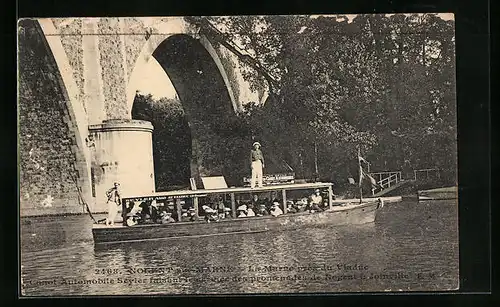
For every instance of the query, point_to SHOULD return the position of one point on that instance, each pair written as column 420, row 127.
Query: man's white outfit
column 256, row 173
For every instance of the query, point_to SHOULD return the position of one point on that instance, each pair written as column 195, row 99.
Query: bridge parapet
column 107, row 57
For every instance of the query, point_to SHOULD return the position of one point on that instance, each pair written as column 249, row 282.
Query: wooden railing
column 426, row 173
column 387, row 179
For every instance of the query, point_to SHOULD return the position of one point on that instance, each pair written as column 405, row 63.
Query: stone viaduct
column 77, row 83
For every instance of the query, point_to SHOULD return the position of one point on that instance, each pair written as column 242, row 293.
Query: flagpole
column 360, row 175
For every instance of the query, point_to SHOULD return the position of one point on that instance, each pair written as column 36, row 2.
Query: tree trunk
column 316, row 158
column 423, row 40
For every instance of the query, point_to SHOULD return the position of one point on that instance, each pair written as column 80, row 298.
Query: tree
column 385, row 82
column 171, row 139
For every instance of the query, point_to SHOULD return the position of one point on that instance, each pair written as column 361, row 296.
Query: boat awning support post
column 179, row 209
column 195, row 204
column 233, row 206
column 124, row 212
column 330, row 196
column 283, row 193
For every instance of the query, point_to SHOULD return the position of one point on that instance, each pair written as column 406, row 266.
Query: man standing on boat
column 114, row 200
column 257, row 162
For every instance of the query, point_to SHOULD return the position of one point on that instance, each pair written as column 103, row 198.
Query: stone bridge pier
column 77, row 83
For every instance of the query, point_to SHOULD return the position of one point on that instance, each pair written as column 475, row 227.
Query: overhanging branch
column 255, row 64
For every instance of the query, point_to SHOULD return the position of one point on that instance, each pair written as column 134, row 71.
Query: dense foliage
column 171, row 138
column 385, row 83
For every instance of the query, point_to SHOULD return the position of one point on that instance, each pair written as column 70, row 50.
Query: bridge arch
column 74, row 102
column 53, row 123
column 197, row 74
column 151, row 47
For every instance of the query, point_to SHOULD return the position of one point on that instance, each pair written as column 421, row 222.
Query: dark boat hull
column 352, row 214
column 438, row 194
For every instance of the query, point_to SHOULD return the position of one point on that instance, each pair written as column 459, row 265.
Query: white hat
column 256, row 143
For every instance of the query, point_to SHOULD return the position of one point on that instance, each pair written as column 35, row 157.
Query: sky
column 157, row 83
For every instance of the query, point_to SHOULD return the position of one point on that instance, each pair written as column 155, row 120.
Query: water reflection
column 405, row 237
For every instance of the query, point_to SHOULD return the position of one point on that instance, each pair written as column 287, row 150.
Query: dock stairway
column 387, row 182
column 390, row 181
column 391, row 188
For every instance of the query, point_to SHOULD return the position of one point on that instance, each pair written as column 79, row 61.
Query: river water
column 411, row 246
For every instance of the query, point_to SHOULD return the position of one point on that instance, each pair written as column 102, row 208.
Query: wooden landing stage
column 392, row 199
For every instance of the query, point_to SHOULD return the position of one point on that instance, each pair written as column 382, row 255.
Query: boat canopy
column 230, row 190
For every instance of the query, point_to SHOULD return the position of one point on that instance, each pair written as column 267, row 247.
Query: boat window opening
column 213, row 206
column 217, row 207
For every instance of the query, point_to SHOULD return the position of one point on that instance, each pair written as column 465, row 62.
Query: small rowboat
column 438, row 194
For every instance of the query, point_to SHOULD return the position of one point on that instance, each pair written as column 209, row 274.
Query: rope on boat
column 82, row 200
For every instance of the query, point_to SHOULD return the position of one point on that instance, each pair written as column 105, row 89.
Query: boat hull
column 438, row 194
column 341, row 215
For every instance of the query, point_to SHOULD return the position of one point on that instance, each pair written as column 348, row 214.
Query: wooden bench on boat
column 357, row 213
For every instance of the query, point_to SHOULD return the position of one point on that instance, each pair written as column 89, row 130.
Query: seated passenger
column 134, row 216
column 166, row 217
column 250, row 211
column 255, row 200
column 170, row 206
column 325, row 205
column 301, row 205
column 131, row 221
column 221, row 209
column 227, row 213
column 290, row 207
column 192, row 214
column 315, row 201
column 155, row 214
column 220, row 205
column 145, row 213
column 145, row 207
column 206, row 208
column 129, row 206
column 242, row 211
column 271, row 203
column 276, row 210
column 210, row 214
column 261, row 210
column 135, row 208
